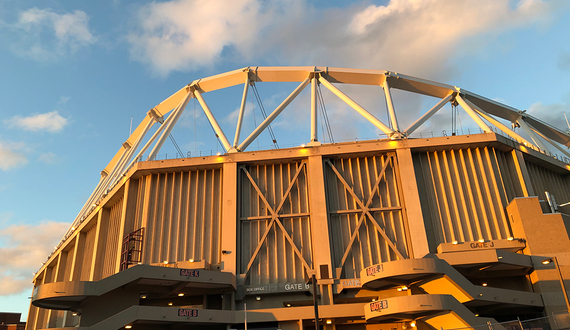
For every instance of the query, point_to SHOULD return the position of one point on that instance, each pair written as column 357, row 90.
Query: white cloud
column 50, row 122
column 11, row 155
column 22, row 249
column 43, row 34
column 414, row 37
column 48, row 158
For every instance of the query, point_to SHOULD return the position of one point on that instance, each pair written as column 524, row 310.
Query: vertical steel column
column 241, row 112
column 314, row 124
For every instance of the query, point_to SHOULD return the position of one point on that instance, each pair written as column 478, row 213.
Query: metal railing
column 553, row 322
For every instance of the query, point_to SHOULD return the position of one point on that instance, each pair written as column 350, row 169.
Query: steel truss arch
column 479, row 108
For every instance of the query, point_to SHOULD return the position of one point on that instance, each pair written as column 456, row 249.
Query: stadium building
column 398, row 232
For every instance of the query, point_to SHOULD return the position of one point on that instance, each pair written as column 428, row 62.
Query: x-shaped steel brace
column 275, row 219
column 365, row 211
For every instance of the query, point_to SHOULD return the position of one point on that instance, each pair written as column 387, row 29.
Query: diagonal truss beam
column 275, row 219
column 526, row 127
column 273, row 115
column 428, row 114
column 472, row 114
column 212, row 120
column 365, row 210
column 390, row 104
column 356, row 107
column 497, row 123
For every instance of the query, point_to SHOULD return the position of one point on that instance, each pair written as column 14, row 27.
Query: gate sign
column 190, row 272
column 378, row 305
column 188, row 312
column 373, row 270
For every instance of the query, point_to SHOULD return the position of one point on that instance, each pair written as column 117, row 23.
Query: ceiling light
column 181, row 295
column 170, row 304
column 329, row 321
column 288, row 305
column 128, row 326
column 258, row 298
column 484, row 284
column 476, row 315
column 143, row 296
column 546, row 261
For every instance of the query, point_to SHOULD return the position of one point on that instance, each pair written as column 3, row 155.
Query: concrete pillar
column 230, row 219
column 411, row 204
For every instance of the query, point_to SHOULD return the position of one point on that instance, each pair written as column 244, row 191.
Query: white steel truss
column 477, row 107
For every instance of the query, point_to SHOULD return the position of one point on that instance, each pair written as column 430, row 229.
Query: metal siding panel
column 113, row 239
column 88, row 253
column 369, row 246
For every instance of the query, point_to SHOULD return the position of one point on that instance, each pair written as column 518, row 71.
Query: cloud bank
column 414, row 37
column 22, row 250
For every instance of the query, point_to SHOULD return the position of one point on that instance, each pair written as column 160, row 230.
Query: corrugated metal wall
column 276, row 261
column 464, row 193
column 544, row 179
column 183, row 216
column 369, row 246
column 111, row 245
column 89, row 238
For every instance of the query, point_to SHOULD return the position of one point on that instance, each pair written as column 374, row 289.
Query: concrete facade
column 440, row 232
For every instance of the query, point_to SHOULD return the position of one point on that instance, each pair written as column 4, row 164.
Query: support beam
column 175, row 114
column 357, row 107
column 530, row 133
column 472, row 114
column 428, row 114
column 390, row 105
column 212, row 120
column 273, row 115
column 241, row 112
column 498, row 124
column 554, row 144
column 314, row 124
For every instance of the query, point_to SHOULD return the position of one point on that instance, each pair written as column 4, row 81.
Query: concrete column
column 411, row 204
column 522, row 173
column 127, row 215
column 320, row 227
column 230, row 219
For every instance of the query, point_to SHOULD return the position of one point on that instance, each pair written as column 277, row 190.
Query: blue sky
column 74, row 73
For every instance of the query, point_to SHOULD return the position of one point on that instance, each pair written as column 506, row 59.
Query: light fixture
column 191, row 260
column 546, row 261
column 404, row 288
column 165, row 262
column 476, row 315
column 484, row 284
column 482, row 240
column 143, row 296
column 329, row 321
column 128, row 326
column 303, row 145
column 258, row 298
column 455, row 242
column 288, row 305
column 169, row 304
column 181, row 295
column 510, row 238
column 499, row 258
column 75, row 313
column 413, row 324
column 219, row 153
column 373, row 299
